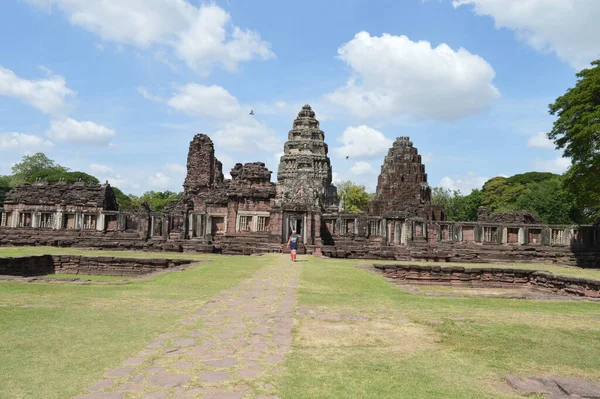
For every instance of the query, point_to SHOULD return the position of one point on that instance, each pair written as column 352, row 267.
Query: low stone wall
column 39, row 265
column 27, row 266
column 491, row 278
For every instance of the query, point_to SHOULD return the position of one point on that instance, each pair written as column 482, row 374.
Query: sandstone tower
column 402, row 185
column 304, row 174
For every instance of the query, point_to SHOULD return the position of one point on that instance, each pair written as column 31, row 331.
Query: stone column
column 522, row 235
column 100, row 222
column 190, row 225
column 404, row 233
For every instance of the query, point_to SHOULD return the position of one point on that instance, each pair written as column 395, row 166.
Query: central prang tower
column 304, row 174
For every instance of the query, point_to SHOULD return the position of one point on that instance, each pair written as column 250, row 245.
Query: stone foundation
column 491, row 278
column 40, row 265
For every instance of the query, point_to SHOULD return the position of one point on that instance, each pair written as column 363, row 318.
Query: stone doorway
column 291, row 222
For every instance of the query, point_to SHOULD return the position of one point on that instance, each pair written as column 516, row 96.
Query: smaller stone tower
column 402, row 185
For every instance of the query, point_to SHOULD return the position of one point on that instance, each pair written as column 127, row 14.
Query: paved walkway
column 245, row 334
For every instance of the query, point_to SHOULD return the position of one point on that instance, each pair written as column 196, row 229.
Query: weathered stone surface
column 304, row 175
column 100, row 385
column 578, row 386
column 520, row 217
column 118, row 372
column 168, row 380
column 102, row 395
column 214, row 376
column 491, row 278
column 538, row 385
column 224, row 395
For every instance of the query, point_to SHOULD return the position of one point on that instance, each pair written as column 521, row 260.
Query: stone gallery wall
column 491, row 278
column 40, row 265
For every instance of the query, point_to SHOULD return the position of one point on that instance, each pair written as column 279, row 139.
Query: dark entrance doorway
column 291, row 222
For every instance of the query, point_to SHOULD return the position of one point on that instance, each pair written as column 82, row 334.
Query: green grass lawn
column 417, row 346
column 57, row 338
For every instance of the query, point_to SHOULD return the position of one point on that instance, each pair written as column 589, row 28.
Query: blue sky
column 118, row 88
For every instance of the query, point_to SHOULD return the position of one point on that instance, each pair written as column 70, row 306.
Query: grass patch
column 55, row 339
column 88, row 277
column 450, row 347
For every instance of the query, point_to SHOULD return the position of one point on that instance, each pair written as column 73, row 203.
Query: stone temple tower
column 402, row 185
column 304, row 174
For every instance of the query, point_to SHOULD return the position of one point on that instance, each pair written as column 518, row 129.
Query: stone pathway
column 554, row 387
column 244, row 335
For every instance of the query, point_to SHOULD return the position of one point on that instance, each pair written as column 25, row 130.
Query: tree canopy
column 576, row 130
column 456, row 206
column 157, row 200
column 355, row 196
column 32, row 165
column 543, row 193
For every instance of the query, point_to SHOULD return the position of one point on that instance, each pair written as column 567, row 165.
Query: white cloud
column 98, row 168
column 23, row 142
column 362, row 142
column 211, row 102
column 170, row 177
column 465, row 183
column 160, row 181
column 48, row 95
column 426, row 158
column 246, row 135
column 557, row 165
column 540, row 140
column 74, row 131
column 175, row 168
column 568, row 28
column 362, row 168
column 235, row 128
column 142, row 90
column 394, row 76
column 205, row 43
column 200, row 36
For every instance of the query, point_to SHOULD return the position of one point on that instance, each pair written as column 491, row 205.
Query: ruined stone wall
column 492, row 278
column 39, row 265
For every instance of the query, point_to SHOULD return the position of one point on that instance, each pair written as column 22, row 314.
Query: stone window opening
column 262, row 223
column 374, row 228
column 89, row 222
column 5, row 222
column 418, row 229
column 557, row 237
column 445, row 233
column 513, row 236
column 468, row 234
column 349, row 224
column 157, row 226
column 47, row 220
column 110, row 222
column 245, row 223
column 535, row 236
column 25, row 219
column 217, row 225
column 490, row 234
column 177, row 223
column 69, row 221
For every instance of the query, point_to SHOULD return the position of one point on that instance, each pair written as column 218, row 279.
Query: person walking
column 292, row 244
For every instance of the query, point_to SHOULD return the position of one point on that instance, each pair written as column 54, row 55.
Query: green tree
column 30, row 165
column 5, row 186
column 157, row 200
column 457, row 207
column 577, row 131
column 52, row 176
column 500, row 193
column 549, row 200
column 355, row 196
column 124, row 201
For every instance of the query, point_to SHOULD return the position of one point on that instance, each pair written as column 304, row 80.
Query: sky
column 118, row 88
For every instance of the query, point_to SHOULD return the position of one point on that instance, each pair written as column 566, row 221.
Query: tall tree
column 5, row 186
column 355, row 196
column 549, row 200
column 576, row 130
column 31, row 165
